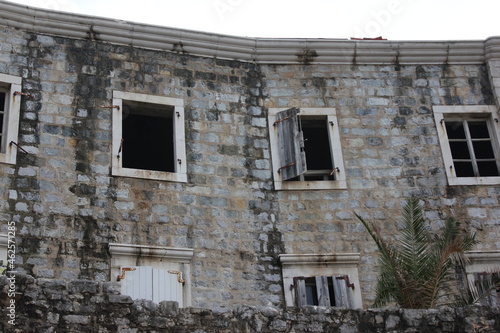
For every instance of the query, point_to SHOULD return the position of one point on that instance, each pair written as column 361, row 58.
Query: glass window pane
column 1, row 122
column 487, row 169
column 455, row 130
column 478, row 129
column 459, row 150
column 464, row 169
column 483, row 149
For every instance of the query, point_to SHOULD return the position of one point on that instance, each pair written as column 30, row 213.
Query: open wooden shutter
column 291, row 144
column 342, row 290
column 485, row 281
column 300, row 291
column 322, row 290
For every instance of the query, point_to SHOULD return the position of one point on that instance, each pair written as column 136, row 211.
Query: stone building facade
column 219, row 220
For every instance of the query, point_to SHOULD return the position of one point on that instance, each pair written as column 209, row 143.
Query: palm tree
column 418, row 268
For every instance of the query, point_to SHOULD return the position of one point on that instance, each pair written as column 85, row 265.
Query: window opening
column 312, row 291
column 323, row 291
column 3, row 109
column 148, row 136
column 306, row 149
column 472, row 148
column 317, row 149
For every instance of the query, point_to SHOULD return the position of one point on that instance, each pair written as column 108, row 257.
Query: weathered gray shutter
column 342, row 291
column 300, row 291
column 291, row 144
column 485, row 280
column 322, row 289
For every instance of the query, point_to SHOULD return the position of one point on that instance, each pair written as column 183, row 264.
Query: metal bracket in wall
column 23, row 94
column 18, row 146
column 120, row 148
column 179, row 278
column 111, row 107
column 346, row 278
column 125, row 270
column 286, row 166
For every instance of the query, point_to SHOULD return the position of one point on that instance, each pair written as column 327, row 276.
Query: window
column 148, row 137
column 3, row 253
column 10, row 105
column 306, row 150
column 152, row 272
column 154, row 284
column 323, row 291
column 324, row 280
column 483, row 266
column 469, row 143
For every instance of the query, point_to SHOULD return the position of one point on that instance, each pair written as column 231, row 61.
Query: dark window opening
column 3, row 109
column 312, row 291
column 471, row 148
column 317, row 148
column 148, row 137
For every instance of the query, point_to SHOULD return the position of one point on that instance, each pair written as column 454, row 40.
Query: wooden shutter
column 135, row 283
column 146, row 282
column 291, row 144
column 300, row 291
column 166, row 287
column 342, row 290
column 485, row 281
column 322, row 290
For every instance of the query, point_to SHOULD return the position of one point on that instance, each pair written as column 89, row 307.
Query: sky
column 391, row 19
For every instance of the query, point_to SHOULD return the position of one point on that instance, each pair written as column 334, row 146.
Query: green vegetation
column 419, row 268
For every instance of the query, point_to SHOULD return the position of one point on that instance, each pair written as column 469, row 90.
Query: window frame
column 335, row 150
column 180, row 174
column 10, row 85
column 487, row 112
column 4, row 241
column 312, row 265
column 128, row 256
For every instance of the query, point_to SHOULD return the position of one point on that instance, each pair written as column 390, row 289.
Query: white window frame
column 10, row 85
column 489, row 112
column 335, row 148
column 180, row 174
column 4, row 241
column 311, row 265
column 170, row 259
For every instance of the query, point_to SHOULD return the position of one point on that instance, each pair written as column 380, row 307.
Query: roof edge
column 258, row 50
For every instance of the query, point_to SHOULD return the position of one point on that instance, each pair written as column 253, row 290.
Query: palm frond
column 417, row 269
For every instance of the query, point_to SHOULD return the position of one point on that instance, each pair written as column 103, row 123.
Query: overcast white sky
column 391, row 19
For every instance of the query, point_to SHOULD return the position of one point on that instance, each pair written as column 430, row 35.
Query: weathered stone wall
column 391, row 152
column 68, row 208
column 52, row 305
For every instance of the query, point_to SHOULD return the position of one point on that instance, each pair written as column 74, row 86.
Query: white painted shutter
column 166, row 287
column 342, row 291
column 146, row 282
column 135, row 283
column 291, row 144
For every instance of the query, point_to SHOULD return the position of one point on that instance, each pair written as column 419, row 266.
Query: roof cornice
column 258, row 50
